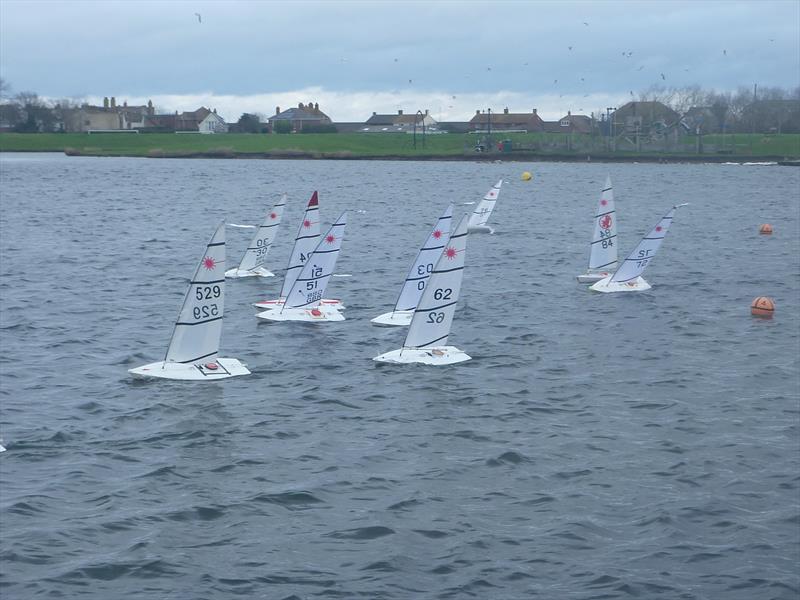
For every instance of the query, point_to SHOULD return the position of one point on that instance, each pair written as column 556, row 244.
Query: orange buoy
column 762, row 307
column 765, row 229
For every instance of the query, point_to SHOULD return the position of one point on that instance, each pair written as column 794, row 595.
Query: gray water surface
column 597, row 446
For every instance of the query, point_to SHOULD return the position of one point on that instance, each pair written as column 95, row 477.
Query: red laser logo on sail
column 603, row 202
column 437, row 234
column 605, row 222
column 658, row 228
column 450, row 253
column 209, row 263
column 330, row 238
column 273, row 216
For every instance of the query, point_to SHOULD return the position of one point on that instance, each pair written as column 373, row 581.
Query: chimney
column 399, row 112
column 569, row 113
column 316, row 106
column 125, row 104
column 113, row 102
column 277, row 110
column 426, row 112
column 505, row 110
column 477, row 112
column 150, row 109
column 105, row 101
column 534, row 112
column 214, row 111
column 374, row 114
column 300, row 105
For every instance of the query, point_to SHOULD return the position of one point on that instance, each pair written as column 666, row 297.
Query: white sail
column 603, row 255
column 195, row 339
column 304, row 244
column 433, row 316
column 259, row 246
column 422, row 267
column 633, row 266
column 310, row 284
column 485, row 207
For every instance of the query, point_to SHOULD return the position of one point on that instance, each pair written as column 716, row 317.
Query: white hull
column 226, row 367
column 2, row 449
column 441, row 355
column 590, row 277
column 257, row 272
column 307, row 315
column 480, row 229
column 606, row 286
column 278, row 303
column 399, row 318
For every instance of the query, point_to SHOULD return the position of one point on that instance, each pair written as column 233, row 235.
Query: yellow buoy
column 765, row 229
column 526, row 176
column 762, row 307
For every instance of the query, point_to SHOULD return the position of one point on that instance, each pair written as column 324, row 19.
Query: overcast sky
column 353, row 58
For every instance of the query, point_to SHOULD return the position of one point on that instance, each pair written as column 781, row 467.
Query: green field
column 390, row 145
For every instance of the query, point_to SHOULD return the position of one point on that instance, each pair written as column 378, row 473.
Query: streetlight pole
column 610, row 127
column 489, row 130
column 419, row 114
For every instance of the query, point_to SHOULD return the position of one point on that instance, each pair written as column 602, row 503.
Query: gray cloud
column 408, row 49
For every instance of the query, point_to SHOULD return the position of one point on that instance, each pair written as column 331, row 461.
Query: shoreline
column 489, row 157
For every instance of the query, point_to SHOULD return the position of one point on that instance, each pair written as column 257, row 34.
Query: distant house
column 569, row 123
column 644, row 118
column 202, row 120
column 506, row 121
column 213, row 123
column 303, row 117
column 400, row 122
column 109, row 117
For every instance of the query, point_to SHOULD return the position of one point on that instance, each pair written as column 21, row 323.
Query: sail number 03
column 423, row 270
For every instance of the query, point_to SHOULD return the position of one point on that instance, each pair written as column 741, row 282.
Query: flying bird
column 725, row 52
column 585, row 23
column 640, row 68
column 199, row 18
column 570, row 47
column 662, row 77
column 555, row 81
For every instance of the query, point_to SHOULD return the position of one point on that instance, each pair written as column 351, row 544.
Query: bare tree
column 5, row 89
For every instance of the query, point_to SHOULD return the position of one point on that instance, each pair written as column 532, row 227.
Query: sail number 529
column 207, row 292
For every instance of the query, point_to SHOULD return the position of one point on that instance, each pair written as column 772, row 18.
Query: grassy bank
column 453, row 146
